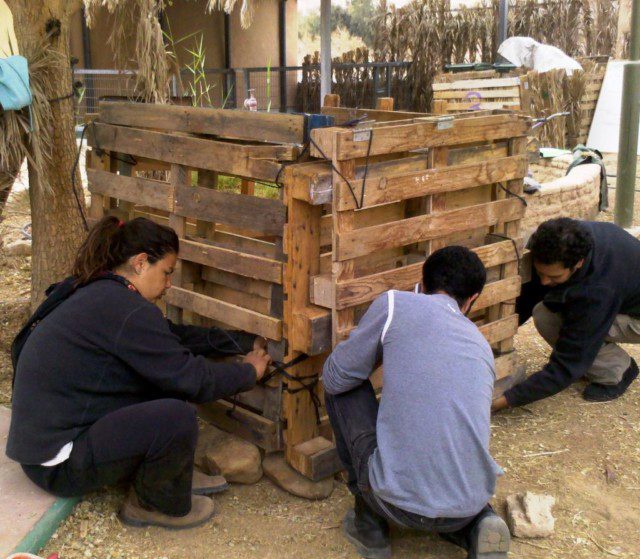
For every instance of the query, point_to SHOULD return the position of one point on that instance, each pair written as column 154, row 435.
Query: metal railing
column 279, row 88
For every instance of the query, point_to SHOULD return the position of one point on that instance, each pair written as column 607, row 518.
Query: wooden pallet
column 301, row 268
column 480, row 94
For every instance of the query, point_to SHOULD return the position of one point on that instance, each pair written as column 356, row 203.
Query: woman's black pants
column 151, row 445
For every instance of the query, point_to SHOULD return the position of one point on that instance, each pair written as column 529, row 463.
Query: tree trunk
column 57, row 225
column 624, row 29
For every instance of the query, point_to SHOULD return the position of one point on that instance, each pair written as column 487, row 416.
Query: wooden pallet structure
column 482, row 93
column 357, row 215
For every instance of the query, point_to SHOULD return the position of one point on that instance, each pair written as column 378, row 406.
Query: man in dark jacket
column 585, row 299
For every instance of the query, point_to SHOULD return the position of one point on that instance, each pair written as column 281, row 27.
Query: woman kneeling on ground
column 102, row 382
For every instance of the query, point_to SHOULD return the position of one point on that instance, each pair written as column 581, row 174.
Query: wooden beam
column 193, row 152
column 365, row 289
column 501, row 329
column 430, row 132
column 236, row 262
column 311, row 330
column 391, row 188
column 497, row 292
column 352, row 243
column 140, row 191
column 237, row 317
column 316, row 458
column 264, row 127
column 249, row 425
column 238, row 282
column 263, row 215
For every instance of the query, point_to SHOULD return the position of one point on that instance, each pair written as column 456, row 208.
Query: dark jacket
column 104, row 348
column 608, row 284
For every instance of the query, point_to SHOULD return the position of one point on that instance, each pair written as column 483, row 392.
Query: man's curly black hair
column 563, row 240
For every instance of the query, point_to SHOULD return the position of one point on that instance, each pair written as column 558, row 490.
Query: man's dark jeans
column 150, row 444
column 353, row 416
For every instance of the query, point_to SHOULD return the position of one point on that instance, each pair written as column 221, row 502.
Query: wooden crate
column 301, row 268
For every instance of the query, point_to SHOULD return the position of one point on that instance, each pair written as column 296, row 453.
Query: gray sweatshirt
column 433, row 425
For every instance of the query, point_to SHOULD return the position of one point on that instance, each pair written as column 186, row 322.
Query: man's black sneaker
column 367, row 531
column 489, row 538
column 596, row 392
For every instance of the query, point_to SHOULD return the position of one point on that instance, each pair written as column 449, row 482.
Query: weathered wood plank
column 193, row 152
column 485, row 94
column 500, row 329
column 365, row 289
column 248, row 425
column 498, row 292
column 316, row 458
column 344, row 114
column 241, row 263
column 311, row 330
column 430, row 132
column 237, row 282
column 140, row 191
column 264, row 215
column 350, row 244
column 228, row 313
column 506, row 365
column 391, row 188
column 266, row 127
column 477, row 84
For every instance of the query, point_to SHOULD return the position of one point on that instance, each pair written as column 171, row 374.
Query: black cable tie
column 510, row 193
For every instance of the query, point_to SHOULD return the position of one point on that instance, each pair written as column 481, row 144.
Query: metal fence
column 280, row 88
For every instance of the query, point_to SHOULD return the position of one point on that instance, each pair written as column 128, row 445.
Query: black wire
column 345, row 179
column 73, row 92
column 284, row 165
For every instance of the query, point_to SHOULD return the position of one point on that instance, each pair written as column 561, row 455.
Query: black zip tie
column 513, row 242
column 62, row 98
column 510, row 193
column 73, row 180
column 366, row 168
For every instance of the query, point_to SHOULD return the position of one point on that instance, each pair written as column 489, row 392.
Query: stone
column 284, row 476
column 18, row 248
column 529, row 515
column 220, row 453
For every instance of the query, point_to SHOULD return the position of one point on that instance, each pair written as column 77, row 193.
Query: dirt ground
column 586, row 455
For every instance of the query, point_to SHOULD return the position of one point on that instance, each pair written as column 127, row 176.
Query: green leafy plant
column 199, row 86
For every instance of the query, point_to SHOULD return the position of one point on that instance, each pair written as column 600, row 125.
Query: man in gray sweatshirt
column 420, row 459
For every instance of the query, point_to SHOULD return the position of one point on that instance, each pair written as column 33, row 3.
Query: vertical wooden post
column 179, row 177
column 301, row 245
column 384, row 104
column 331, row 100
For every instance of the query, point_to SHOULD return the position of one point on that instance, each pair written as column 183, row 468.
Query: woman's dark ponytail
column 110, row 243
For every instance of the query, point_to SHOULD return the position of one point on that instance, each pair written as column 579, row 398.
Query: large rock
column 284, row 476
column 18, row 248
column 219, row 453
column 529, row 515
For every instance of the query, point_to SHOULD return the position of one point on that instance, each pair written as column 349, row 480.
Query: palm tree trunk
column 57, row 225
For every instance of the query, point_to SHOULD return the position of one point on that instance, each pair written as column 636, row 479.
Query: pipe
column 325, row 49
column 629, row 124
column 503, row 21
column 86, row 54
column 282, row 36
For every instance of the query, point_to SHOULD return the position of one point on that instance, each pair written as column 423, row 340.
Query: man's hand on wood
column 260, row 359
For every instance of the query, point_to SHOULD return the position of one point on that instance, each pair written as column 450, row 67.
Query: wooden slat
column 365, row 289
column 477, row 84
column 479, row 105
column 391, row 187
column 488, row 94
column 264, row 215
column 267, row 127
column 237, row 282
column 251, row 426
column 343, row 114
column 198, row 153
column 228, row 313
column 144, row 192
column 500, row 329
column 430, row 132
column 505, row 365
column 241, row 263
column 423, row 228
column 316, row 458
column 497, row 292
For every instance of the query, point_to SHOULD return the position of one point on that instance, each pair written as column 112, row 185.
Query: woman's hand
column 260, row 359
